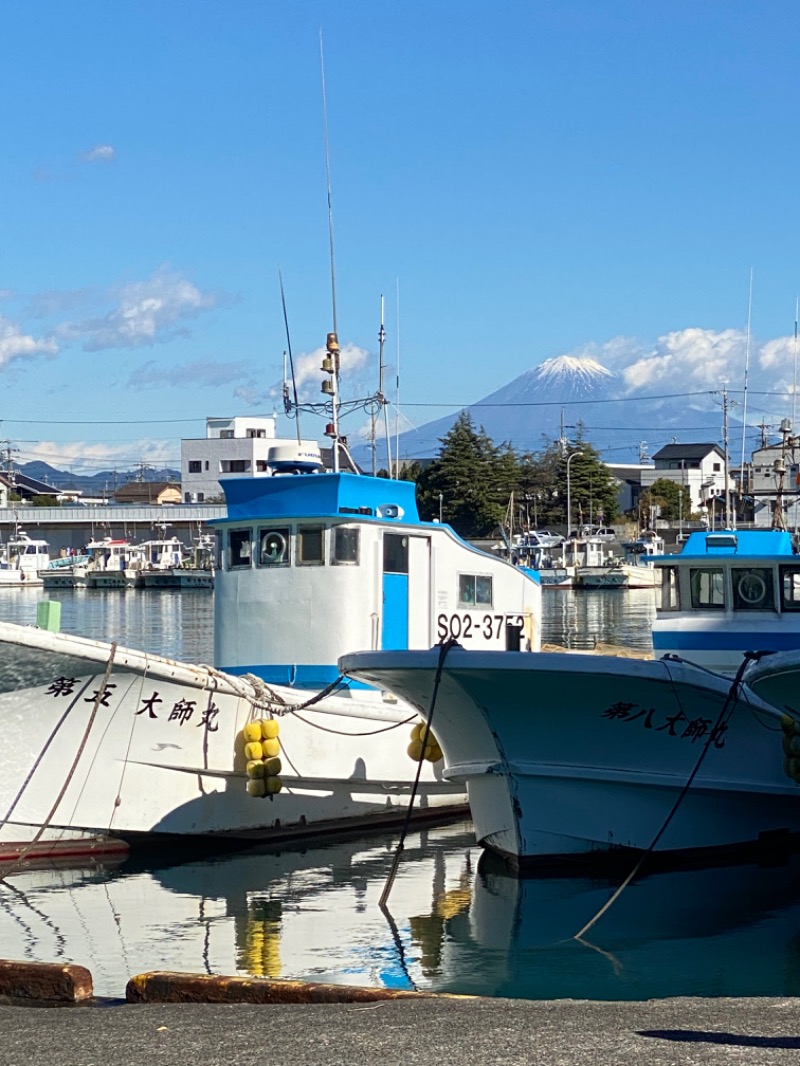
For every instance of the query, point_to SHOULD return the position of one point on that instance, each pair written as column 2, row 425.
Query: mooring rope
column 444, row 648
column 725, row 713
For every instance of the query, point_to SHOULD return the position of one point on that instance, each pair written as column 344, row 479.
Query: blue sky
column 533, row 179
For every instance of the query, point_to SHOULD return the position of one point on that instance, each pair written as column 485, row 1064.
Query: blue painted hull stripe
column 724, row 640
column 304, row 677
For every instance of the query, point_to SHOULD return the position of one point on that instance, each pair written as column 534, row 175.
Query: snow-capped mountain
column 589, row 399
column 559, row 380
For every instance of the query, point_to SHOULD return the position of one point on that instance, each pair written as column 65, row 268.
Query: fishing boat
column 269, row 743
column 21, row 559
column 114, row 564
column 726, row 593
column 66, row 572
column 558, row 563
column 161, row 559
column 576, row 757
column 196, row 570
column 632, row 571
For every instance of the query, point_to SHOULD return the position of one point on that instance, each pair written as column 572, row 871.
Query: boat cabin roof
column 319, row 496
column 733, row 544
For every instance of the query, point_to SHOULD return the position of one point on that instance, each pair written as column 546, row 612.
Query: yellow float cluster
column 432, row 752
column 791, row 747
column 261, row 749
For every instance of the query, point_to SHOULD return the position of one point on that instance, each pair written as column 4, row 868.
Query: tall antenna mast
column 725, row 445
column 381, row 397
column 746, row 371
column 397, row 411
column 794, row 381
column 332, row 360
column 328, row 177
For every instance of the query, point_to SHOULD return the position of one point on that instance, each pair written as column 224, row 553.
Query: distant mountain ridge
column 100, row 484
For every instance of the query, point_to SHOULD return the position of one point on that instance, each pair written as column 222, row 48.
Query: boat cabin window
column 273, row 546
column 395, row 554
column 790, row 588
column 240, row 548
column 670, row 598
column 474, row 590
column 708, row 586
column 752, row 589
column 218, row 543
column 345, row 545
column 311, row 546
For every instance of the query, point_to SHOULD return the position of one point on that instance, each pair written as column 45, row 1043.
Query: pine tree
column 471, row 475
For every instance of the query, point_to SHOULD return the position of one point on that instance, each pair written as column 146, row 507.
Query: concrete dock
column 415, row 1032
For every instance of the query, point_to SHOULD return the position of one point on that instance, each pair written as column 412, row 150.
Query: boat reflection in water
column 457, row 924
column 580, row 620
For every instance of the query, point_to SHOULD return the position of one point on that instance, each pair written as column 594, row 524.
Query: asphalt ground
column 419, row 1032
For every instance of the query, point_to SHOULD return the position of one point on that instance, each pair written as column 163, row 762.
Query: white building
column 700, row 468
column 774, row 468
column 231, row 446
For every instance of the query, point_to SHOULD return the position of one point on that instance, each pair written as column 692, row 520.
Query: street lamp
column 569, row 501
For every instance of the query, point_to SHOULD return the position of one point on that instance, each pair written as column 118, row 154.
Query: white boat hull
column 152, row 747
column 574, row 755
column 618, row 576
column 11, row 578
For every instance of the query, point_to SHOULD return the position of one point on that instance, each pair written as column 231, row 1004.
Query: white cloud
column 308, row 376
column 688, row 359
column 15, row 345
column 146, row 313
column 101, row 153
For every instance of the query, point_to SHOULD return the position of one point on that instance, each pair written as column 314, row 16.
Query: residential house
column 149, row 493
column 700, row 468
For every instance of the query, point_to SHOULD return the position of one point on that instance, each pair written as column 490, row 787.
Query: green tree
column 472, row 476
column 666, row 495
column 44, row 500
column 593, row 488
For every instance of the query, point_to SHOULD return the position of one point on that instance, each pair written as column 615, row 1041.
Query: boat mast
column 330, row 386
column 381, row 398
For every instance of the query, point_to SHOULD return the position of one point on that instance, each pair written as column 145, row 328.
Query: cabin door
column 394, row 624
column 406, row 614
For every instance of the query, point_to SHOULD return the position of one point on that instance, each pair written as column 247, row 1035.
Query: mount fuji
column 579, row 396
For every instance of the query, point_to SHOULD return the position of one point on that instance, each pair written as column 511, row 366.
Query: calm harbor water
column 458, row 923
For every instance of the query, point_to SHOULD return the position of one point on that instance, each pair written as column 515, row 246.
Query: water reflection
column 459, row 923
column 176, row 623
column 622, row 617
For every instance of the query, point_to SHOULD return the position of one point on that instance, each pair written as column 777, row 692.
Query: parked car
column 547, row 539
column 598, row 532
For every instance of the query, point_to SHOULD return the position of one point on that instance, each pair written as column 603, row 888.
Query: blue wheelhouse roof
column 734, row 543
column 319, row 496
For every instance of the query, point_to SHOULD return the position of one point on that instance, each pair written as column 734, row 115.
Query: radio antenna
column 332, row 345
column 746, row 370
column 794, row 381
column 291, row 361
